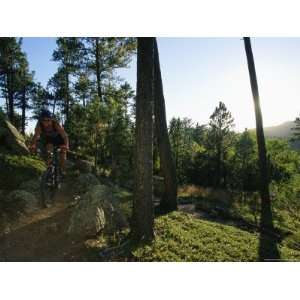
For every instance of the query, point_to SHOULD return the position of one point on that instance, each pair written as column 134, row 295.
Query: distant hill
column 283, row 131
column 280, row 131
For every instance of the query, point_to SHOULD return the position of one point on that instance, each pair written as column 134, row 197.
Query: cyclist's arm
column 62, row 132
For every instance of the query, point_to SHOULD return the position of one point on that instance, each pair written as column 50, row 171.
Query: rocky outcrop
column 11, row 141
column 20, row 201
column 97, row 211
column 16, row 169
column 32, row 186
column 83, row 166
column 83, row 182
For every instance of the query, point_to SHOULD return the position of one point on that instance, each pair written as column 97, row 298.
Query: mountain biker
column 53, row 134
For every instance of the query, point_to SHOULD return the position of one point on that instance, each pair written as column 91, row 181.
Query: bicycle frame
column 50, row 182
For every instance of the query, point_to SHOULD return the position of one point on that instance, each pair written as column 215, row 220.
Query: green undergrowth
column 286, row 221
column 182, row 237
column 15, row 169
column 124, row 199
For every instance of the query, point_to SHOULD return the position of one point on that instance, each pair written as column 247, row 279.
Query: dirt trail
column 42, row 236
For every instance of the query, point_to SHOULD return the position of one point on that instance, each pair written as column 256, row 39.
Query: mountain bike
column 51, row 178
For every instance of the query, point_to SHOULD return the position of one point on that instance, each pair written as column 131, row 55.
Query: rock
column 32, row 186
column 11, row 141
column 84, row 166
column 97, row 211
column 5, row 226
column 21, row 201
column 83, row 182
column 15, row 169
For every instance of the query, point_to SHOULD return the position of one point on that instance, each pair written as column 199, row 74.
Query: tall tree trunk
column 54, row 106
column 268, row 247
column 10, row 97
column 143, row 215
column 67, row 98
column 98, row 71
column 264, row 189
column 23, row 110
column 6, row 96
column 169, row 200
column 218, row 169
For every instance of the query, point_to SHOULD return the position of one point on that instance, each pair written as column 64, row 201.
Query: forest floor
column 186, row 235
column 42, row 235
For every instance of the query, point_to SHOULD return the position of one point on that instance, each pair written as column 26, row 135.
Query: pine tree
column 220, row 138
column 142, row 223
column 10, row 59
column 296, row 130
column 25, row 86
column 104, row 55
column 169, row 200
column 266, row 220
column 69, row 54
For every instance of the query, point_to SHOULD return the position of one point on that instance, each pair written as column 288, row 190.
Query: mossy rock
column 83, row 183
column 20, row 201
column 97, row 211
column 33, row 186
column 11, row 140
column 15, row 169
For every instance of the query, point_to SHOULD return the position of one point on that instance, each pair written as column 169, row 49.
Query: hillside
column 280, row 131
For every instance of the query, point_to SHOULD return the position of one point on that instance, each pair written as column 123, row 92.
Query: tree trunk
column 266, row 220
column 23, row 110
column 267, row 246
column 54, row 106
column 143, row 215
column 10, row 97
column 67, row 98
column 218, row 169
column 169, row 200
column 98, row 71
column 6, row 96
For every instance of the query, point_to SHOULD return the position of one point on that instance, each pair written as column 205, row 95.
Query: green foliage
column 181, row 139
column 296, row 129
column 181, row 237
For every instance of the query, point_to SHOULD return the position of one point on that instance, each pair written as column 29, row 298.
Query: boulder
column 19, row 201
column 84, row 166
column 97, row 211
column 83, row 182
column 11, row 141
column 15, row 169
column 33, row 186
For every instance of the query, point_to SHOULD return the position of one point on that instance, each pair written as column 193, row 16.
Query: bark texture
column 143, row 216
column 169, row 200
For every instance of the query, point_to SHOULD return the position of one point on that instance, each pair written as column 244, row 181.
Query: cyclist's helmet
column 45, row 114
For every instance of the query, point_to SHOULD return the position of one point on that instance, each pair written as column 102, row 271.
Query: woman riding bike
column 51, row 134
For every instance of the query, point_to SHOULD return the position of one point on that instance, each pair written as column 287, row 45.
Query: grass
column 182, row 237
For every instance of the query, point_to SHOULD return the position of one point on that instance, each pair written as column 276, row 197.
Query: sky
column 199, row 72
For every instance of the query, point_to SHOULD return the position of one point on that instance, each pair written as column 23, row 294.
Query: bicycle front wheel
column 47, row 188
